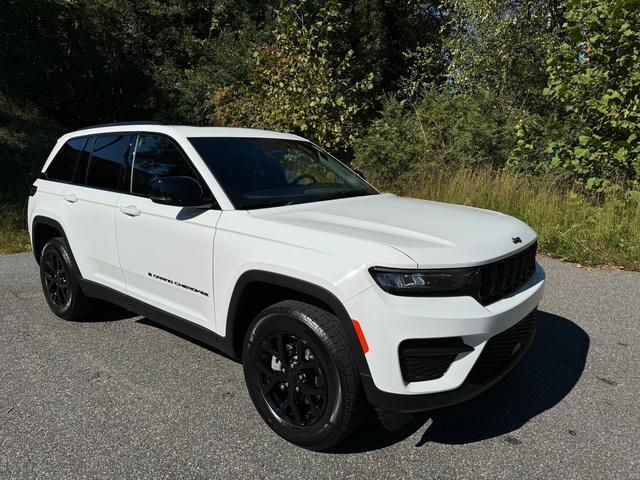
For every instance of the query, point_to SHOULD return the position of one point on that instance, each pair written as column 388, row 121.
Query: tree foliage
column 594, row 76
column 328, row 63
column 534, row 85
column 463, row 130
column 96, row 61
column 501, row 46
column 302, row 81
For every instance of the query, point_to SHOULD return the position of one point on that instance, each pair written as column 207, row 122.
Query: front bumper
column 387, row 320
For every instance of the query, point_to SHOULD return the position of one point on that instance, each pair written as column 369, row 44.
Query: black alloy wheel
column 292, row 380
column 56, row 279
column 60, row 280
column 300, row 374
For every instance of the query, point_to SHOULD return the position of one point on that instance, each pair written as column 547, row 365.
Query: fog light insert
column 425, row 359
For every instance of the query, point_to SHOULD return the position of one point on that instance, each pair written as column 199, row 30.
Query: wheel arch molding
column 44, row 229
column 273, row 287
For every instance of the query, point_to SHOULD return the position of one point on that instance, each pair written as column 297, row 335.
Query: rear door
column 88, row 207
column 166, row 252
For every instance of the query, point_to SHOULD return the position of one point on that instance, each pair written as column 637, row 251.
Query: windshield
column 270, row 172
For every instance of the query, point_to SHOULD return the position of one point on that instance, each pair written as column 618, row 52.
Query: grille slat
column 499, row 279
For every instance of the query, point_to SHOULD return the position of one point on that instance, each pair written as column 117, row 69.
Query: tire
column 300, row 375
column 61, row 282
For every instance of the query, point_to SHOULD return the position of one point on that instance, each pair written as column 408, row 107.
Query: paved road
column 120, row 397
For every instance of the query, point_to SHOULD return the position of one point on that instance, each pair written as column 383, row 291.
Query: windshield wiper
column 272, row 203
column 347, row 194
column 281, row 202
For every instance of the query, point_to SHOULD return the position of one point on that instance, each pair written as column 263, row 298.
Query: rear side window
column 156, row 157
column 80, row 174
column 63, row 164
column 106, row 167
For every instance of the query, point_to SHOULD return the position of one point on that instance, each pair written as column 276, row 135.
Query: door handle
column 131, row 210
column 70, row 197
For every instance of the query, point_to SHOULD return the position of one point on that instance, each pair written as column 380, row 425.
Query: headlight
column 445, row 282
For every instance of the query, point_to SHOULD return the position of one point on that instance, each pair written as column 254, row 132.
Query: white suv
column 264, row 246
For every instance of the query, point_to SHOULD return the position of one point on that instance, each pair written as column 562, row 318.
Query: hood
column 433, row 234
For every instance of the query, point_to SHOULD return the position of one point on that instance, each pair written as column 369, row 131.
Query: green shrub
column 466, row 129
column 301, row 82
column 26, row 138
column 14, row 237
column 391, row 148
column 595, row 78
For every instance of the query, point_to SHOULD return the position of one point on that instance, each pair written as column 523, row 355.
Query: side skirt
column 172, row 322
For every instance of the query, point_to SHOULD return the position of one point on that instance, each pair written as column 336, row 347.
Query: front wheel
column 300, row 375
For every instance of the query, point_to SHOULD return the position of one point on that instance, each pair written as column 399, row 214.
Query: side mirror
column 178, row 191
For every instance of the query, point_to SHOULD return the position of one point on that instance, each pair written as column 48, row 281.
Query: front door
column 166, row 252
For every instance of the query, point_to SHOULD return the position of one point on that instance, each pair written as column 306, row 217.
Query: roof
column 180, row 131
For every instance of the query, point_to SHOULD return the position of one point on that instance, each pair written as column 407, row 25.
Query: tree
column 84, row 62
column 595, row 77
column 302, row 80
column 501, row 46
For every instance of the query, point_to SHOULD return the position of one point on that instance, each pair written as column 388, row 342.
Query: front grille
column 501, row 349
column 499, row 279
column 428, row 359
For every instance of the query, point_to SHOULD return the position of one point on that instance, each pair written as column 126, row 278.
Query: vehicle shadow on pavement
column 148, row 322
column 106, row 312
column 546, row 374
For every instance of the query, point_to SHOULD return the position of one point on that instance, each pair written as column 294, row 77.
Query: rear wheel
column 60, row 284
column 300, row 375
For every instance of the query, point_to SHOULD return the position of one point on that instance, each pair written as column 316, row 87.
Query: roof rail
column 118, row 124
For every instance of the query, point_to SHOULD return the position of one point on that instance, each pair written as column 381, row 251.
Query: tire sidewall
column 58, row 246
column 303, row 326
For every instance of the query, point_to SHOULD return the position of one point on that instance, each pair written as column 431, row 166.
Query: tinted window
column 80, row 174
column 267, row 172
column 64, row 162
column 106, row 166
column 157, row 157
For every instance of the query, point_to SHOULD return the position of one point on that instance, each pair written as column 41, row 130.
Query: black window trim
column 44, row 176
column 121, row 175
column 128, row 165
column 90, row 141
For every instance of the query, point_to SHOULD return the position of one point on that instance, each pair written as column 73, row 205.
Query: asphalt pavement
column 121, row 397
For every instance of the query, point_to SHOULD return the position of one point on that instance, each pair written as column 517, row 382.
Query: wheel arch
column 257, row 289
column 44, row 229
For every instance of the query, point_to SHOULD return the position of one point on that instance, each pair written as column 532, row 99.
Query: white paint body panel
column 331, row 244
column 171, row 243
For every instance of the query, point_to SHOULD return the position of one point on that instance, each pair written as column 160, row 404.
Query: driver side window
column 156, row 157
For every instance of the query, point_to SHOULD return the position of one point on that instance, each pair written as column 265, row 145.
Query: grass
column 569, row 226
column 14, row 237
